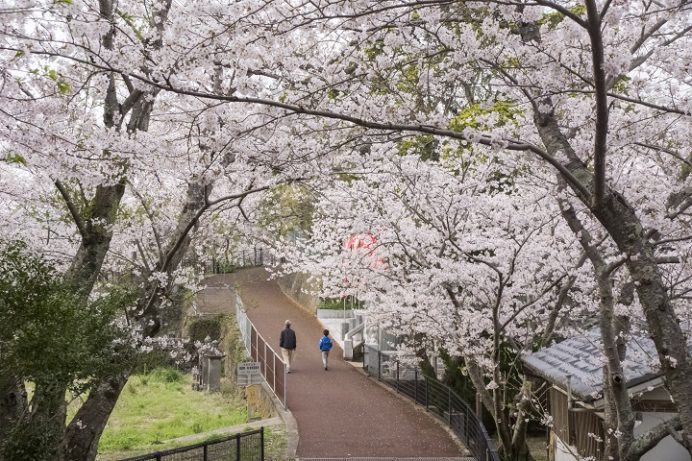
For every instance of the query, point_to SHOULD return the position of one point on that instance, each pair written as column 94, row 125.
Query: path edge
column 289, row 421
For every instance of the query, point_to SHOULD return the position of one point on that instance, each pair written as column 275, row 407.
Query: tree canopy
column 523, row 165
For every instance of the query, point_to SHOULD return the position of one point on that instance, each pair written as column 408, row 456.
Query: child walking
column 325, row 347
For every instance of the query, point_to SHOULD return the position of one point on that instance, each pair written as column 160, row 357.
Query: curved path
column 340, row 413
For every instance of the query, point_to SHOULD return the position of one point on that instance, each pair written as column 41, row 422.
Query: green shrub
column 54, row 337
column 26, row 443
column 203, row 327
column 166, row 375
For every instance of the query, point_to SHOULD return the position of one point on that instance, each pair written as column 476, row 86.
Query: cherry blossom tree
column 272, row 91
column 468, row 259
column 602, row 87
column 129, row 183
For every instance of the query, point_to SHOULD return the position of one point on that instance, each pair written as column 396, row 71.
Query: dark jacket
column 288, row 339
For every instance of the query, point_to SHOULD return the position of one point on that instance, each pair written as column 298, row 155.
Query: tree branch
column 76, row 217
column 665, row 150
column 672, row 110
column 651, row 438
column 150, row 215
column 511, row 145
column 600, row 137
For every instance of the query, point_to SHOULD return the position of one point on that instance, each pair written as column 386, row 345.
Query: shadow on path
column 340, row 412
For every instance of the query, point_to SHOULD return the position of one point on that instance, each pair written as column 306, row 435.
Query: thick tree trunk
column 86, row 265
column 619, row 415
column 84, row 431
column 615, row 381
column 626, row 230
column 47, row 415
column 520, row 449
column 83, row 434
column 620, row 220
column 13, row 404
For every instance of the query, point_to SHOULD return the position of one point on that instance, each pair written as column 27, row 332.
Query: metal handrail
column 438, row 399
column 205, row 455
column 239, row 302
column 241, row 317
column 353, row 331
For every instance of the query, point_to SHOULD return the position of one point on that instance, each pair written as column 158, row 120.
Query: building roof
column 580, row 357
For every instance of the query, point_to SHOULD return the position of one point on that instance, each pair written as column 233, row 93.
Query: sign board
column 249, row 368
column 248, row 373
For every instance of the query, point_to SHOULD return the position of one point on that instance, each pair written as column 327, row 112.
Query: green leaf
column 376, row 49
column 468, row 117
column 15, row 158
column 333, row 94
column 64, row 87
column 130, row 21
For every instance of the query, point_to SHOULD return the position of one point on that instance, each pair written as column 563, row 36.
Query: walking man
column 325, row 347
column 287, row 343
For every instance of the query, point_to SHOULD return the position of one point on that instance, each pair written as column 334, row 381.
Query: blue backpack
column 325, row 343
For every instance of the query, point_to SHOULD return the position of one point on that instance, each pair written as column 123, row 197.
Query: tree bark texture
column 13, row 404
column 619, row 219
column 84, row 431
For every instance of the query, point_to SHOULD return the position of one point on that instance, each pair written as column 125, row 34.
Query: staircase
column 353, row 342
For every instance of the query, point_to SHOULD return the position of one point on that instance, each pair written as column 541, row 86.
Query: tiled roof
column 582, row 359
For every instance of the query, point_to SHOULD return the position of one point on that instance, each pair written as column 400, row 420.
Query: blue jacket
column 325, row 343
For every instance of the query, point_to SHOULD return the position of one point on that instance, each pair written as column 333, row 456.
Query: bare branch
column 600, row 137
column 76, row 217
column 665, row 150
column 651, row 438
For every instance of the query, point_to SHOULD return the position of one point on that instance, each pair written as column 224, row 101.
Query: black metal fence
column 246, row 446
column 436, row 397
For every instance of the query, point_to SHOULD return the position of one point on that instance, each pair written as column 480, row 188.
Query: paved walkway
column 340, row 412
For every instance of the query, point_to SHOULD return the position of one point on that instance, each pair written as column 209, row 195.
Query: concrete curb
column 288, row 420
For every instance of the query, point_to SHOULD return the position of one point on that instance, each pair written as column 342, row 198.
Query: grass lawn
column 161, row 406
column 275, row 440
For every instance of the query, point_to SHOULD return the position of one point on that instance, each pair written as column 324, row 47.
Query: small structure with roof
column 574, row 368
